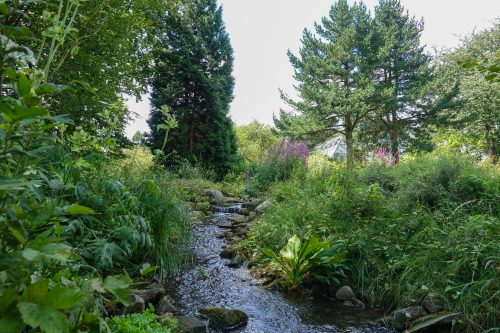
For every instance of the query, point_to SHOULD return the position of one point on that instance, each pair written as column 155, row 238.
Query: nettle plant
column 41, row 289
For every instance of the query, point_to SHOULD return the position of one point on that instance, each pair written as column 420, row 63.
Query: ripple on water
column 211, row 282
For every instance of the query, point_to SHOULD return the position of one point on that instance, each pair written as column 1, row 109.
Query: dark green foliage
column 193, row 77
column 43, row 287
column 103, row 55
column 429, row 224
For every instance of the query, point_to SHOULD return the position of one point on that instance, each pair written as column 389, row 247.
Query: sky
column 262, row 31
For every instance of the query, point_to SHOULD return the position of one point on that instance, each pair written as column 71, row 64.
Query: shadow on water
column 210, row 282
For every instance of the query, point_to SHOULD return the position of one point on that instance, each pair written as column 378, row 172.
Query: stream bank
column 211, row 282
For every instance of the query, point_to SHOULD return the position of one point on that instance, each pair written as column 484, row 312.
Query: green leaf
column 118, row 285
column 79, row 210
column 12, row 323
column 7, row 297
column 36, row 292
column 147, row 268
column 23, row 86
column 20, row 238
column 4, row 8
column 49, row 88
column 63, row 298
column 46, row 317
column 30, row 254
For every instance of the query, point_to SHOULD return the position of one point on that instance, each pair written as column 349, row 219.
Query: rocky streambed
column 215, row 283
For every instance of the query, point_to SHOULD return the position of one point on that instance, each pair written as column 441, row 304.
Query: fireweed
column 279, row 164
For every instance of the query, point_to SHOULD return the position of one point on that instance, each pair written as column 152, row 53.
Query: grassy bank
column 429, row 224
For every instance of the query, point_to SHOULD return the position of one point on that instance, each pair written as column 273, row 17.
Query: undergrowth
column 429, row 224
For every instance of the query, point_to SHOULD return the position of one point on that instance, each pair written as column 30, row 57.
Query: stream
column 210, row 282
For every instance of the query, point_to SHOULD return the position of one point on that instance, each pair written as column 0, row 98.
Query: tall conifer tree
column 334, row 74
column 402, row 71
column 193, row 77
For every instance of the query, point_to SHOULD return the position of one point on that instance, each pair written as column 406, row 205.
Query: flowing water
column 211, row 282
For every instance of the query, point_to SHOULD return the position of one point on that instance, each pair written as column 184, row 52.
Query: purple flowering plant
column 280, row 162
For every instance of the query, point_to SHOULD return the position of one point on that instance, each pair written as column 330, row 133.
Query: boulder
column 151, row 294
column 190, row 325
column 232, row 201
column 401, row 319
column 432, row 303
column 216, row 197
column 228, row 253
column 263, row 206
column 345, row 293
column 236, row 262
column 165, row 305
column 196, row 215
column 136, row 305
column 224, row 319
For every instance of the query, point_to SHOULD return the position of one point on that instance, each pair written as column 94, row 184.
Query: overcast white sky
column 262, row 31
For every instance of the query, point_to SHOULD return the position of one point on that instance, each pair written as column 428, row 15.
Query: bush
column 429, row 224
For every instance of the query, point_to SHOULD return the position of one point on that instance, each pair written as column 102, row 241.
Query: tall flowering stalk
column 382, row 155
column 279, row 164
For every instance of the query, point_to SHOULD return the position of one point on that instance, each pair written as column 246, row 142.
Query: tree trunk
column 491, row 145
column 394, row 137
column 349, row 140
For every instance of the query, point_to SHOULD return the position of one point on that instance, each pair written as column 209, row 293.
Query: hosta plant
column 300, row 260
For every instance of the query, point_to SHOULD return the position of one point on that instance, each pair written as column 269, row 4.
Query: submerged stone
column 222, row 318
column 191, row 325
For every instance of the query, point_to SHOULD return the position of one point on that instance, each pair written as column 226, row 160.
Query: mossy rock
column 224, row 319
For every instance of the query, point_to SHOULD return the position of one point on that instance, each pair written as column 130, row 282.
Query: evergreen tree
column 402, row 72
column 334, row 74
column 193, row 77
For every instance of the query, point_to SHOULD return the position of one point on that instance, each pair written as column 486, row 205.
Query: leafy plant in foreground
column 298, row 261
column 145, row 322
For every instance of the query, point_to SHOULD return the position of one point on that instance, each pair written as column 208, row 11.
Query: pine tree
column 193, row 77
column 333, row 71
column 402, row 71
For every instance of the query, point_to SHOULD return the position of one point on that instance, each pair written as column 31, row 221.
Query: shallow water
column 211, row 282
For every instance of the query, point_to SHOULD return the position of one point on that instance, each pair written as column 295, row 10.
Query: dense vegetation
column 411, row 209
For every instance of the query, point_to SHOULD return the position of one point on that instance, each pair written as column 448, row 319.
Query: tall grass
column 429, row 224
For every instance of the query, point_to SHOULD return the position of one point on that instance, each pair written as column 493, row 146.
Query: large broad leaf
column 36, row 292
column 45, row 317
column 291, row 249
column 118, row 286
column 63, row 298
column 16, row 112
column 23, row 86
column 108, row 253
column 11, row 322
